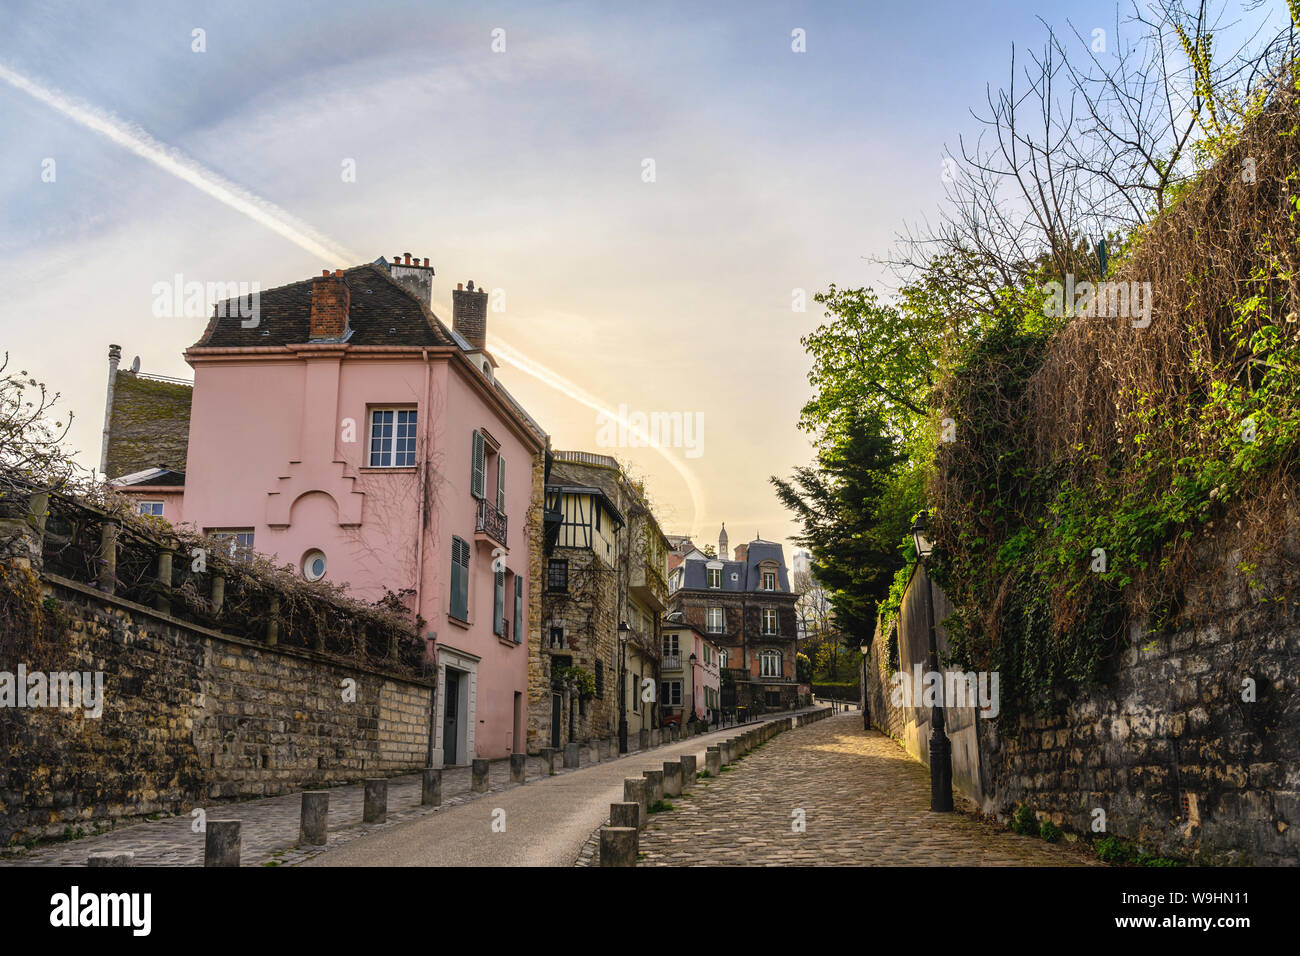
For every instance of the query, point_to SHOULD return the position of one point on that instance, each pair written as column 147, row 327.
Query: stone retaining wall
column 191, row 716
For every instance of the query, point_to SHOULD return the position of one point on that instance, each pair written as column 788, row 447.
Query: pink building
column 690, row 666
column 348, row 432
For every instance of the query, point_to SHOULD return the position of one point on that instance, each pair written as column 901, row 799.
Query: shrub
column 1024, row 822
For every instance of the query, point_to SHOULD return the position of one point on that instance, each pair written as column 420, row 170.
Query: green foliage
column 1024, row 822
column 1049, row 831
column 1112, row 849
column 584, row 680
column 849, row 517
column 803, row 668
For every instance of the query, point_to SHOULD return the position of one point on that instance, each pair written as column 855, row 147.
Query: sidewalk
column 269, row 827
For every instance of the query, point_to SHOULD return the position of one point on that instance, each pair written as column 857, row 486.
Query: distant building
column 746, row 607
column 690, row 673
column 605, row 566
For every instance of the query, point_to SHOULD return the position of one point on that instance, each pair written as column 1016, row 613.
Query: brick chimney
column 330, row 301
column 469, row 314
column 742, row 552
column 414, row 277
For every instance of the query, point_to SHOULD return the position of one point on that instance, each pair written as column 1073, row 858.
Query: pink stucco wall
column 269, row 450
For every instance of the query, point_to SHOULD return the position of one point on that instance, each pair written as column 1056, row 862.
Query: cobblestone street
column 865, row 802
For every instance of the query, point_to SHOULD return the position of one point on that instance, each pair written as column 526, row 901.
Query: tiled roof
column 148, row 424
column 381, row 312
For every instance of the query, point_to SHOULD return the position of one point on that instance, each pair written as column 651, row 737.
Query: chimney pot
column 426, row 262
column 460, row 287
column 324, row 272
column 408, row 259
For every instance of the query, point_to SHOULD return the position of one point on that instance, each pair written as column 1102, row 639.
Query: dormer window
column 769, row 580
column 714, row 577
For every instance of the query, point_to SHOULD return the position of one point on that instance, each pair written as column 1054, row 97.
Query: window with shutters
column 478, row 467
column 519, row 609
column 459, row 579
column 499, row 603
column 501, row 483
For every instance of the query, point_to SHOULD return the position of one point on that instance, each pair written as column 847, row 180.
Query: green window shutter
column 501, row 483
column 459, row 579
column 477, row 468
column 519, row 609
column 499, row 602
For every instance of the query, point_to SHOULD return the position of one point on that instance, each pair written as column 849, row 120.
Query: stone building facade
column 605, row 561
column 745, row 605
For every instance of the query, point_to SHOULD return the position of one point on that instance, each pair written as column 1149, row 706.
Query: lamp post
column 623, row 632
column 866, row 709
column 693, row 659
column 940, row 747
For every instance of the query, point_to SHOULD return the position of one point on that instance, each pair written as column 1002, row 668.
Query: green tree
column 849, row 525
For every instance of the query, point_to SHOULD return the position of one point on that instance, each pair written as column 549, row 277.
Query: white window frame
column 763, row 669
column 711, row 575
column 390, row 451
column 722, row 620
column 140, row 506
column 769, row 575
column 769, row 614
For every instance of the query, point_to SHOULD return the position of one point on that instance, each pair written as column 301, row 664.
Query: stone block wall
column 192, row 716
column 1165, row 747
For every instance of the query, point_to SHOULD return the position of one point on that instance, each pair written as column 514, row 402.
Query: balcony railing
column 672, row 662
column 491, row 522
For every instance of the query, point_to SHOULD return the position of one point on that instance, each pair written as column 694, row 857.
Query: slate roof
column 380, row 312
column 160, row 477
column 748, row 576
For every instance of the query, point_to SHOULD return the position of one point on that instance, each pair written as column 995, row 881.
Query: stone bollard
column 688, row 770
column 654, row 780
column 672, row 778
column 618, row 846
column 636, row 790
column 479, row 770
column 611, row 749
column 519, row 768
column 644, row 739
column 713, row 761
column 221, row 843
column 548, row 759
column 625, row 815
column 111, row 858
column 431, row 788
column 571, row 756
column 655, row 737
column 595, row 751
column 375, row 806
column 314, row 824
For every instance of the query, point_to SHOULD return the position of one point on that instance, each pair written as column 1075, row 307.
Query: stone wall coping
column 281, row 649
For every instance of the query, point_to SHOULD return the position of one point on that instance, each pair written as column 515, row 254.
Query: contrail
column 562, row 385
column 138, row 141
column 268, row 214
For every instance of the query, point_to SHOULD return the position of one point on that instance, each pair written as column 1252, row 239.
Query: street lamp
column 693, row 659
column 866, row 709
column 623, row 632
column 940, row 747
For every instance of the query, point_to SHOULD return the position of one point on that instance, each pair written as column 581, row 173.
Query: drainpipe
column 114, row 356
column 419, row 555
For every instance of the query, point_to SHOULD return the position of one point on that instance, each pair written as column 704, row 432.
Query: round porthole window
column 313, row 565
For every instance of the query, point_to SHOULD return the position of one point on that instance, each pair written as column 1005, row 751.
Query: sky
column 523, row 168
